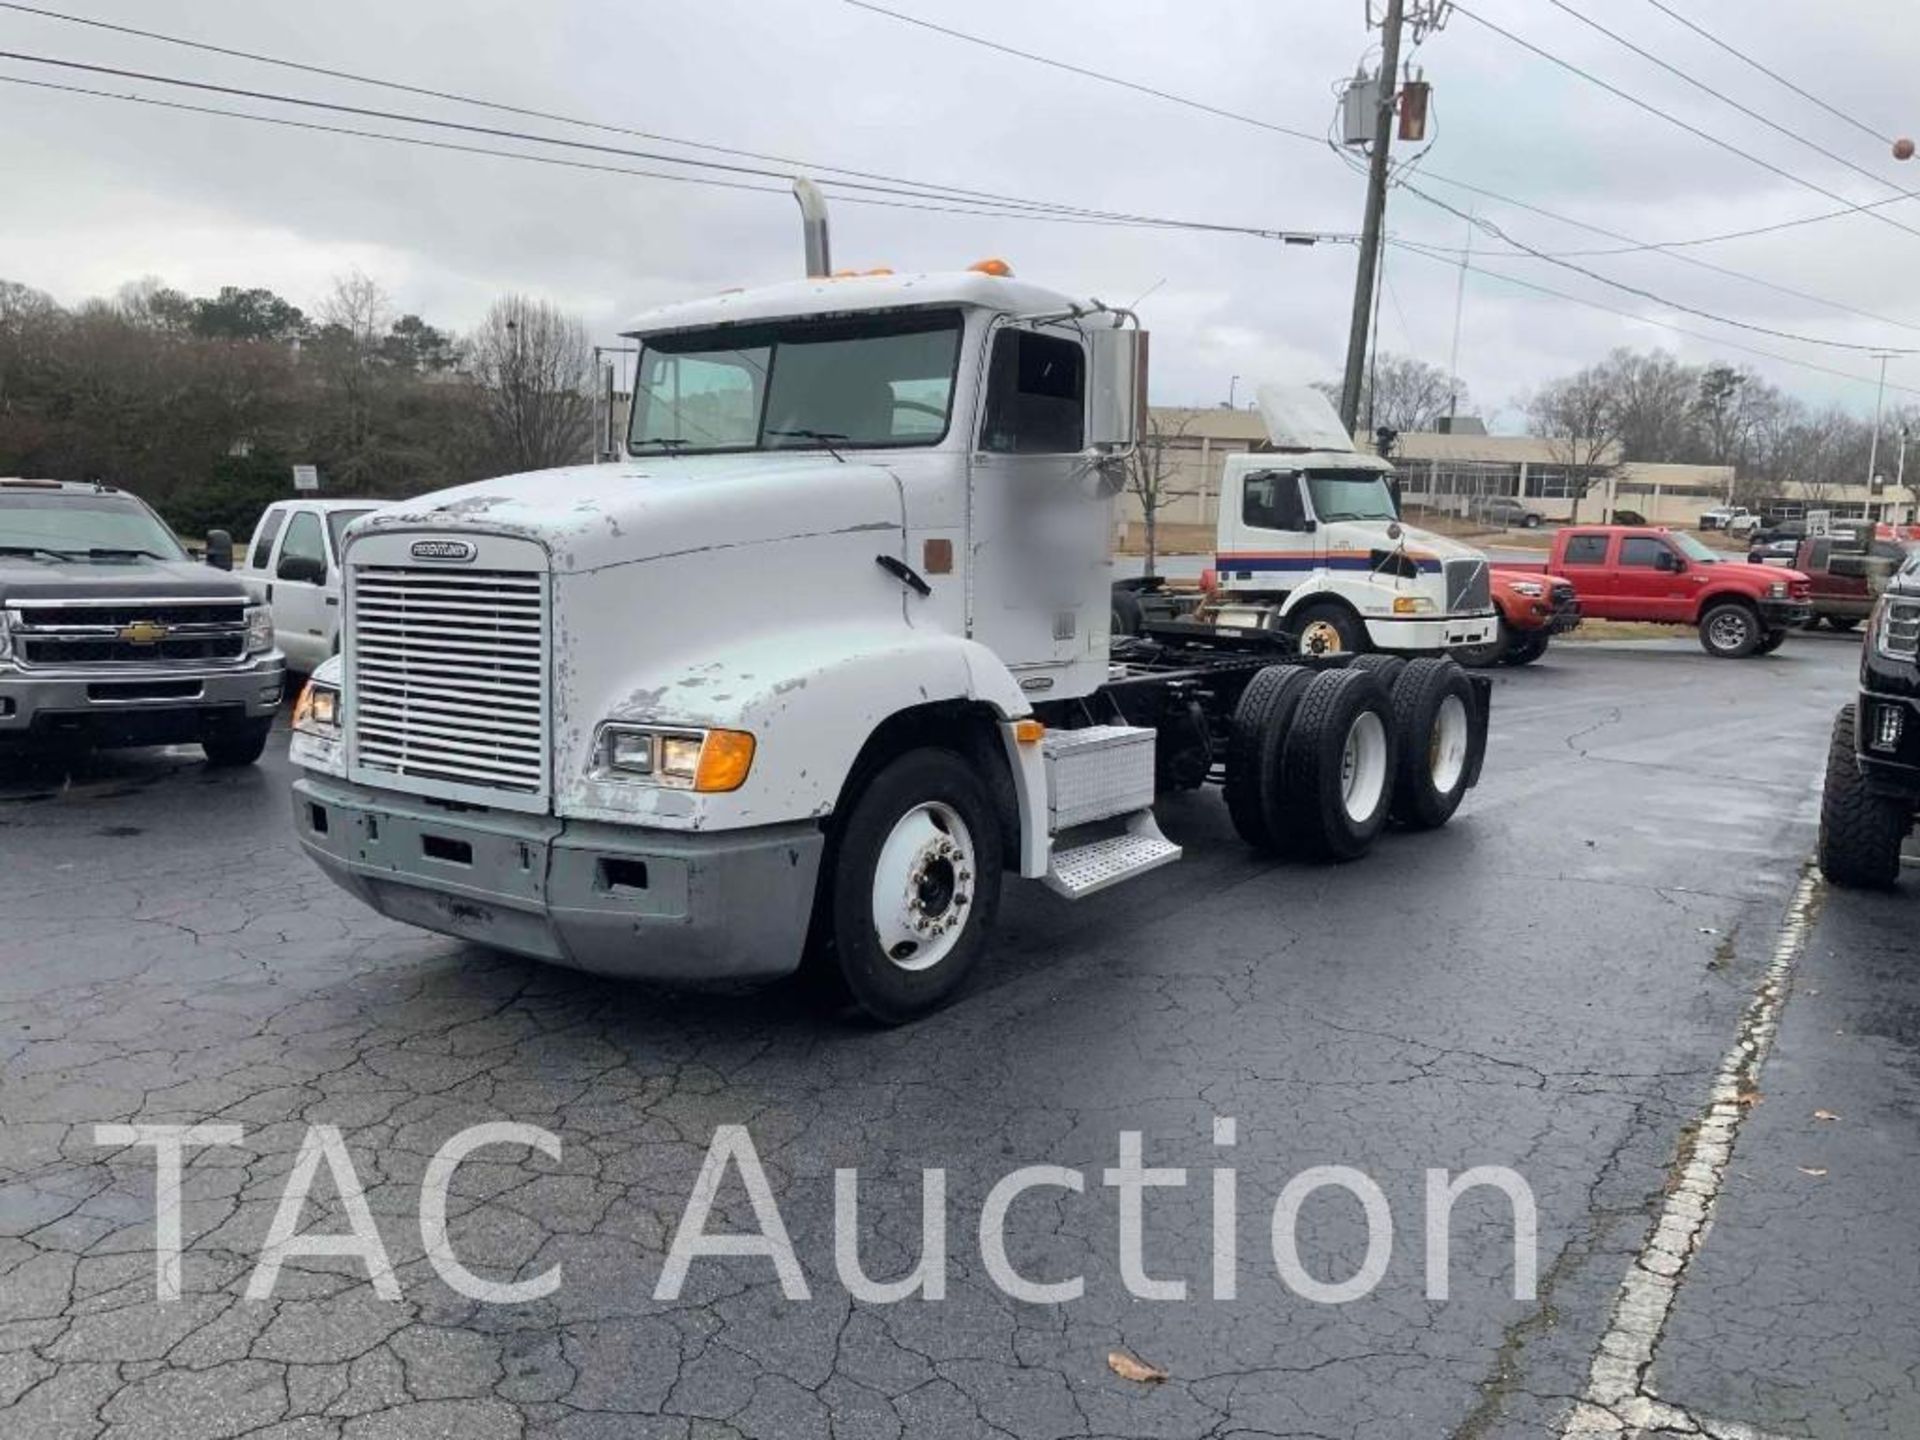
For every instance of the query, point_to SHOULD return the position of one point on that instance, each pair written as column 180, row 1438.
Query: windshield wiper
column 39, row 550
column 114, row 551
column 825, row 437
column 665, row 442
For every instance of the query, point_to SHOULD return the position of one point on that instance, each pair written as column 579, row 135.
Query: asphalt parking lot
column 1549, row 985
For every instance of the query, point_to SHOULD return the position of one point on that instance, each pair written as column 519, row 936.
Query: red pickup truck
column 1639, row 572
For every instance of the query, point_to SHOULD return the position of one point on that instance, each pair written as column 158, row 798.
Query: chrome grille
column 448, row 671
column 1468, row 586
column 129, row 632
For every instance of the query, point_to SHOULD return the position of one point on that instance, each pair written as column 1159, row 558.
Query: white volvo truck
column 822, row 661
column 1309, row 541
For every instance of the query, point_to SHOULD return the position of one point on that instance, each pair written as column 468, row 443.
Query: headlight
column 1779, row 590
column 1527, row 588
column 709, row 761
column 1412, row 605
column 6, row 635
column 317, row 711
column 1896, row 630
column 259, row 629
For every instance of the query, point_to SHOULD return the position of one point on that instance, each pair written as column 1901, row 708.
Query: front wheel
column 1860, row 832
column 1526, row 649
column 1730, row 630
column 1771, row 642
column 238, row 747
column 1842, row 622
column 915, row 885
column 1323, row 627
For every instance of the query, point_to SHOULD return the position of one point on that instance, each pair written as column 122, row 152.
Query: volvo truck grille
column 448, row 671
column 1468, row 586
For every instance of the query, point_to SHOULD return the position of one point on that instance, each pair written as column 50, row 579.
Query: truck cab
column 821, row 661
column 292, row 566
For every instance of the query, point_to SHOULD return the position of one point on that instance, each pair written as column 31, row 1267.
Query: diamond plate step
column 1083, row 869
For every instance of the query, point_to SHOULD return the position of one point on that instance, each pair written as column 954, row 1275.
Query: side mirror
column 220, row 550
column 302, row 570
column 1669, row 562
column 1116, row 387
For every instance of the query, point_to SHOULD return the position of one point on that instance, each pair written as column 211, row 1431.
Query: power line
column 1008, row 208
column 1441, row 258
column 1631, row 245
column 1650, row 108
column 500, row 106
column 1723, row 98
column 1167, row 95
column 284, row 122
column 1772, row 75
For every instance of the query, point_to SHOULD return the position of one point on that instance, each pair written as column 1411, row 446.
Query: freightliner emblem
column 449, row 550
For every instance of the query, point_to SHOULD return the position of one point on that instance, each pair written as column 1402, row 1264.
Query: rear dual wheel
column 1310, row 770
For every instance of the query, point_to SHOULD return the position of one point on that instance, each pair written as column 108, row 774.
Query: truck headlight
column 6, row 635
column 317, row 711
column 1527, row 588
column 676, row 758
column 259, row 629
column 1778, row 590
column 1896, row 630
column 1412, row 605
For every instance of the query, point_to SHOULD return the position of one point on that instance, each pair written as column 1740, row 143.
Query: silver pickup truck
column 110, row 634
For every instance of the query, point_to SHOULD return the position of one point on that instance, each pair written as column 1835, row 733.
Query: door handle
column 333, row 600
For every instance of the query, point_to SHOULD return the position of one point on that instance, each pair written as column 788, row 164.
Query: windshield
column 797, row 385
column 1351, row 495
column 69, row 526
column 1694, row 550
column 337, row 522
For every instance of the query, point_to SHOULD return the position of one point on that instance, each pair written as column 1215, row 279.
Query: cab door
column 300, row 572
column 1040, row 571
column 1583, row 560
column 1651, row 579
column 256, row 565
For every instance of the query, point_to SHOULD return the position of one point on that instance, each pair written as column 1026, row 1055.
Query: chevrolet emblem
column 144, row 632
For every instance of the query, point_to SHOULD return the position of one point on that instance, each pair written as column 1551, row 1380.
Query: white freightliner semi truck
column 822, row 660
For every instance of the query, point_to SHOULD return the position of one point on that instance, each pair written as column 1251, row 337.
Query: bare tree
column 1580, row 420
column 1404, row 394
column 1152, row 472
column 534, row 366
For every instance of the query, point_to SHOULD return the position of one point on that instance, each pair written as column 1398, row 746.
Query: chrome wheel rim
column 1728, row 631
column 1363, row 766
column 1447, row 749
column 923, row 886
column 1321, row 637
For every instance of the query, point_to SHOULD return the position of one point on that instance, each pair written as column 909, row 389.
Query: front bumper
column 138, row 706
column 618, row 900
column 1430, row 632
column 1889, row 770
column 1785, row 614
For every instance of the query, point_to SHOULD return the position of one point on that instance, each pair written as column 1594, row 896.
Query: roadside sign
column 306, row 477
column 1819, row 523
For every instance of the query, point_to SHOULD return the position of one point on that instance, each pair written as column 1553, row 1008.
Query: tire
column 1258, row 736
column 1771, row 642
column 1860, row 832
column 1490, row 653
column 1730, row 630
column 240, row 746
column 1526, row 649
column 1440, row 747
column 1337, row 769
column 1842, row 622
column 1385, row 668
column 1128, row 617
column 923, row 815
column 1531, row 522
column 1326, row 627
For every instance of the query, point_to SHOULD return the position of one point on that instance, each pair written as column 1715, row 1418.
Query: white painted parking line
column 1617, row 1401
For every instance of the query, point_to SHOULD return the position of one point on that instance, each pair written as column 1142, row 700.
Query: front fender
column 810, row 698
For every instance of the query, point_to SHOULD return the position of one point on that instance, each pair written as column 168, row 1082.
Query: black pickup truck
column 1873, row 764
column 111, row 635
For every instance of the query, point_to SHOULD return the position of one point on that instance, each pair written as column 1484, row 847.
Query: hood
column 1366, row 536
column 1502, row 575
column 591, row 516
column 1758, row 578
column 24, row 578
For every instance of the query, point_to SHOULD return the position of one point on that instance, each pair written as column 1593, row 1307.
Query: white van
column 293, row 565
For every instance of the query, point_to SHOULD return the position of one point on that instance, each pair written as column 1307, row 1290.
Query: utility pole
column 1873, row 450
column 1372, row 226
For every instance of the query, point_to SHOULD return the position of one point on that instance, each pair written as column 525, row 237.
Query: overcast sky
column 101, row 192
